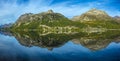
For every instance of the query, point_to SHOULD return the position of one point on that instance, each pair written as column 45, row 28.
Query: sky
column 11, row 10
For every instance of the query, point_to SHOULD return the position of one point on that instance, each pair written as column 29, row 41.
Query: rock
column 50, row 11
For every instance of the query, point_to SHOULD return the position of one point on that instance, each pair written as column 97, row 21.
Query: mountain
column 97, row 18
column 117, row 19
column 44, row 16
column 48, row 18
column 45, row 22
column 92, row 15
column 5, row 27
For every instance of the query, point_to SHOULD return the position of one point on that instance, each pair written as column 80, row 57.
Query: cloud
column 11, row 9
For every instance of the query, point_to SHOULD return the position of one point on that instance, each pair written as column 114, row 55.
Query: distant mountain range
column 49, row 20
column 117, row 19
column 45, row 19
column 54, row 29
column 6, row 25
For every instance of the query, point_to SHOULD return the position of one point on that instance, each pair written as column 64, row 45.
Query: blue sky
column 10, row 10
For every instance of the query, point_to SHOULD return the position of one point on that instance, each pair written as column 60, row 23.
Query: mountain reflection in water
column 68, row 45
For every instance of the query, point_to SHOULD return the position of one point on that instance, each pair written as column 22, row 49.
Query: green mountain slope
column 49, row 21
column 97, row 18
column 49, row 18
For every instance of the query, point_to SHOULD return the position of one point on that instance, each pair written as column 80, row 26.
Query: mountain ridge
column 49, row 15
column 93, row 18
column 92, row 15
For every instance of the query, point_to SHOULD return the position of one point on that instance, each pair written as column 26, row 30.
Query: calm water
column 79, row 47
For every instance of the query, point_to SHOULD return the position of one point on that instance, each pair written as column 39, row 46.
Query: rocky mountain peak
column 48, row 16
column 50, row 11
column 92, row 15
column 95, row 11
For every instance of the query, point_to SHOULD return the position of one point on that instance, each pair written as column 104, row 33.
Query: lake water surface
column 33, row 46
